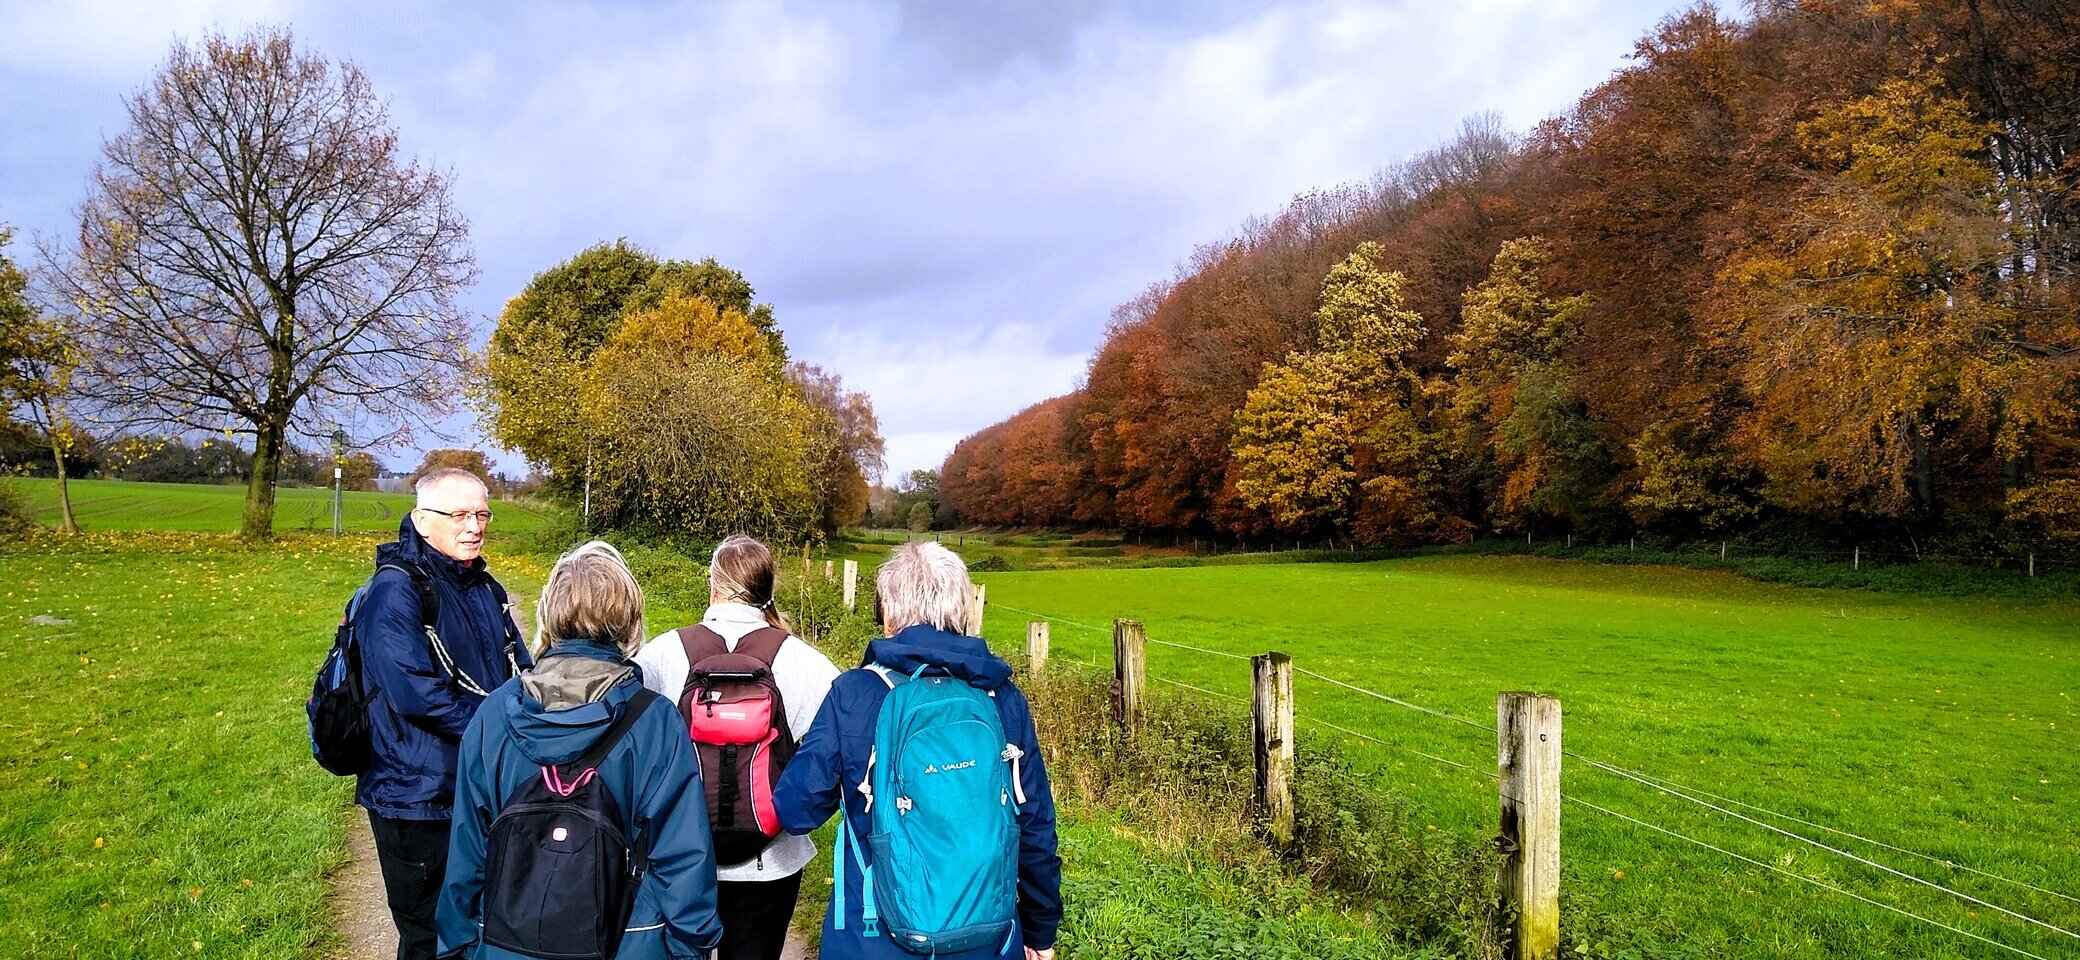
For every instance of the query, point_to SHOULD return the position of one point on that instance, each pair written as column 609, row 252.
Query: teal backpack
column 943, row 794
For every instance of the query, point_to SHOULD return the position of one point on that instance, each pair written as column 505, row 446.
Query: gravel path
column 364, row 917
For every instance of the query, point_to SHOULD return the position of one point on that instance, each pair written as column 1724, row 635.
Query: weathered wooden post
column 1036, row 647
column 1722, row 549
column 975, row 610
column 1271, row 709
column 851, row 584
column 1527, row 747
column 2033, row 563
column 1129, row 669
column 828, row 572
column 1856, row 558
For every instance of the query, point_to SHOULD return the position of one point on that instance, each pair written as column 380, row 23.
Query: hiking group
column 594, row 795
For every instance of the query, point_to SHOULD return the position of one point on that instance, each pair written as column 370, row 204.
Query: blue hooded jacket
column 416, row 712
column 832, row 761
column 652, row 774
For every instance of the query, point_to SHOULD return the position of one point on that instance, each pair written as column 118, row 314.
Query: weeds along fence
column 1529, row 798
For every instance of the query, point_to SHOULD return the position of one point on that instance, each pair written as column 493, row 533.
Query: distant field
column 1943, row 726
column 120, row 505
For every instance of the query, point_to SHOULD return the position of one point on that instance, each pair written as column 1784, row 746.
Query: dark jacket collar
column 923, row 645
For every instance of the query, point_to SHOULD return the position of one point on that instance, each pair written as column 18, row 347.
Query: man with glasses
column 437, row 635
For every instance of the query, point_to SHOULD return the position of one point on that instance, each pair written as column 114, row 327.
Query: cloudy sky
column 942, row 200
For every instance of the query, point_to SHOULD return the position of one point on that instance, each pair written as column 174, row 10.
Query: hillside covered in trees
column 1804, row 272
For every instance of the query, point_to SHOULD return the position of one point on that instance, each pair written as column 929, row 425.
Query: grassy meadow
column 157, row 797
column 1939, row 725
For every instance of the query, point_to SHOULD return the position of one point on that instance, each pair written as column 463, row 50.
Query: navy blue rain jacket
column 416, row 712
column 832, row 761
column 654, row 778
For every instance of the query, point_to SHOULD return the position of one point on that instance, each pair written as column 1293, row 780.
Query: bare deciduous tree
column 255, row 257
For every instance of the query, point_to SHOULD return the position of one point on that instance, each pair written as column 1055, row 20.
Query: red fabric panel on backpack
column 739, row 721
column 762, row 812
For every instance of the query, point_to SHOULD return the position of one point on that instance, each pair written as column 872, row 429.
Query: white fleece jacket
column 804, row 675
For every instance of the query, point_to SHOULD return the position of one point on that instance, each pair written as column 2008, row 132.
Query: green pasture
column 157, row 796
column 121, row 505
column 1939, row 725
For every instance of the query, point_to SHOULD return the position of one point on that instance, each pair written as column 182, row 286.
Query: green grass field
column 1939, row 725
column 156, row 796
column 120, row 505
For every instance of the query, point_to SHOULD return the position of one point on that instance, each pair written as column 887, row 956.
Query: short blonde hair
column 591, row 595
column 924, row 583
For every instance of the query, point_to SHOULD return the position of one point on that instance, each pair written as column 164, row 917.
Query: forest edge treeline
column 1806, row 274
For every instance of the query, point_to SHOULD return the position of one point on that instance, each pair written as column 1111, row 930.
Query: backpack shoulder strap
column 763, row 643
column 700, row 643
column 631, row 710
column 422, row 585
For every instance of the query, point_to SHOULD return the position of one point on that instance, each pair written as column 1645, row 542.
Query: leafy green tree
column 547, row 338
column 1339, row 436
column 1515, row 393
column 920, row 517
column 39, row 359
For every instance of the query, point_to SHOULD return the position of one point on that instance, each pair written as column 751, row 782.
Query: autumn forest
column 1803, row 273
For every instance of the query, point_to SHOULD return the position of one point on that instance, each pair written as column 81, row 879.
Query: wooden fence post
column 975, row 610
column 1271, row 707
column 1722, row 549
column 1036, row 647
column 1527, row 747
column 2033, row 563
column 851, row 584
column 828, row 572
column 1129, row 669
column 1856, row 558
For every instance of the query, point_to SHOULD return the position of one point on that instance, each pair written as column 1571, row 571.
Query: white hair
column 924, row 583
column 428, row 482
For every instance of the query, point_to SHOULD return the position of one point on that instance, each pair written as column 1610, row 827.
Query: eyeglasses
column 459, row 516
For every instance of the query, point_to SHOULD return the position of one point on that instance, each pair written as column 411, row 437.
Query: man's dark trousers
column 414, row 856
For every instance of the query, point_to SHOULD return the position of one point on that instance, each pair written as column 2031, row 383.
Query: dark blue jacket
column 416, row 713
column 654, row 778
column 832, row 761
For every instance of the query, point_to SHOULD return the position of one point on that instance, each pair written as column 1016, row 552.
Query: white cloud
column 117, row 40
column 937, row 387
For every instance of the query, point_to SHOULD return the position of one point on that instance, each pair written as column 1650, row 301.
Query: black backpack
column 560, row 872
column 337, row 711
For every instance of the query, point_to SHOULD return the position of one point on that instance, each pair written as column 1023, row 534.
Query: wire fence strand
column 1399, row 746
column 1393, row 700
column 1940, row 861
column 1837, row 851
column 1802, row 877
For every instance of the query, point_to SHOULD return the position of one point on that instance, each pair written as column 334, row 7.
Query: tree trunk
column 267, row 460
column 66, row 524
column 1924, row 472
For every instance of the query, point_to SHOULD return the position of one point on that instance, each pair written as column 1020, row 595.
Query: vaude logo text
column 963, row 765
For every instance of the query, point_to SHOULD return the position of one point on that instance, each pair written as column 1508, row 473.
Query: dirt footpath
column 363, row 917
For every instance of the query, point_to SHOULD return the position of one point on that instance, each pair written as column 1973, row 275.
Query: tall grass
column 1180, row 781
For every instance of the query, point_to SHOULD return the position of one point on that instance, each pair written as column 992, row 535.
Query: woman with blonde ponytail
column 750, row 659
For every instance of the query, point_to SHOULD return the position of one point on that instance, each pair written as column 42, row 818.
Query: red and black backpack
column 739, row 728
